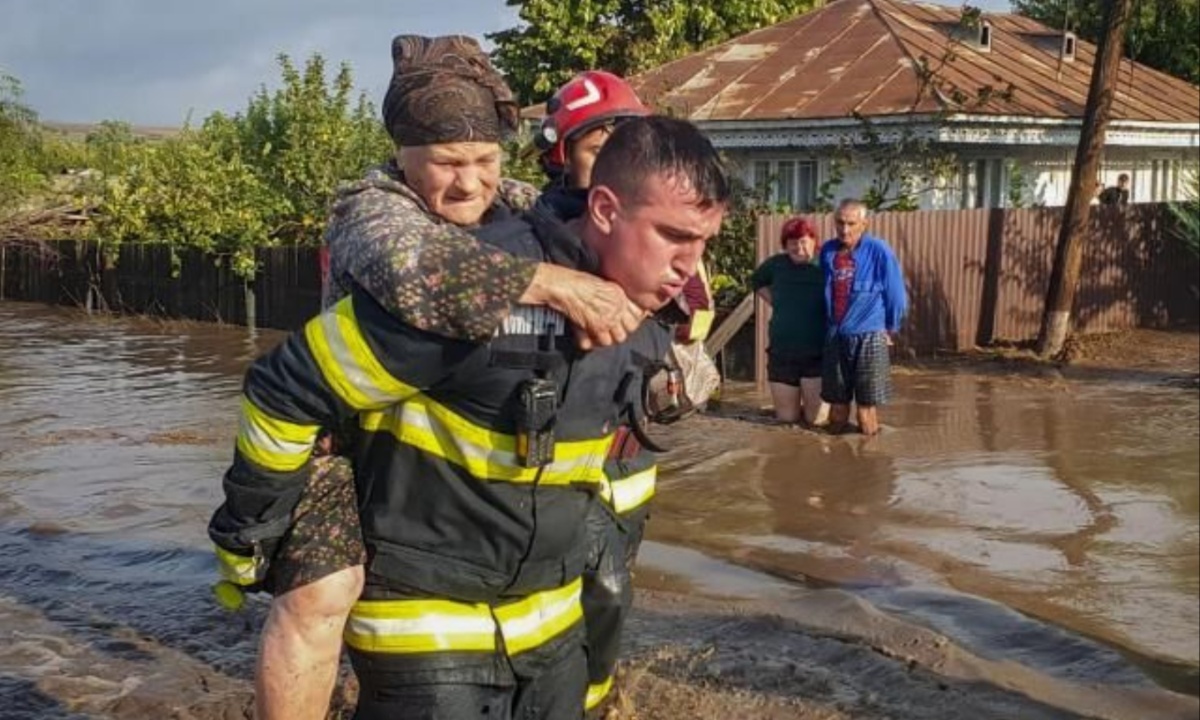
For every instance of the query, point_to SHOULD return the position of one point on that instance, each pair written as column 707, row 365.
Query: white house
column 782, row 101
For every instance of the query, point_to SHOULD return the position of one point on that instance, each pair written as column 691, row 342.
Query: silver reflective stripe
column 347, row 363
column 273, row 443
column 485, row 454
column 533, row 622
column 427, row 624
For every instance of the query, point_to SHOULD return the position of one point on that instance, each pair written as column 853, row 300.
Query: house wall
column 987, row 175
column 857, row 176
column 1155, row 175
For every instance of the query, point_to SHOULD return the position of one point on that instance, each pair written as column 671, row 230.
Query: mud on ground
column 829, row 656
column 1168, row 355
column 832, row 656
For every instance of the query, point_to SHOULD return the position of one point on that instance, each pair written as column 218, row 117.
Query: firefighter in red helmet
column 579, row 118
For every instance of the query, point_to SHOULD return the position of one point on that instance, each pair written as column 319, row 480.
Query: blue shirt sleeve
column 896, row 296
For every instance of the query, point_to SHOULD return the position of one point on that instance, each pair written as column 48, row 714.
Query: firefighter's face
column 581, row 155
column 458, row 181
column 651, row 244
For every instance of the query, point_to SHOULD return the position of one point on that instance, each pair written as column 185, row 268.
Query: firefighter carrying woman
column 486, row 391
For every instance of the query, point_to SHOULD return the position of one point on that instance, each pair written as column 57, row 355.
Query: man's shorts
column 789, row 368
column 857, row 368
column 325, row 535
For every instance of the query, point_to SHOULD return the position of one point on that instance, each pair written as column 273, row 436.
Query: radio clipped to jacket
column 536, row 414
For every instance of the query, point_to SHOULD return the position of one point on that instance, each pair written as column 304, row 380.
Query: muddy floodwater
column 1047, row 526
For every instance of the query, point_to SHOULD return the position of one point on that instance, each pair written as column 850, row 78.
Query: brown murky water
column 1050, row 522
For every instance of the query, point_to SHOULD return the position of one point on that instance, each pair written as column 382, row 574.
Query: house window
column 787, row 182
column 1068, row 49
column 982, row 183
column 985, row 36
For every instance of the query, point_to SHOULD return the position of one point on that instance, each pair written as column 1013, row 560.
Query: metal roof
column 864, row 57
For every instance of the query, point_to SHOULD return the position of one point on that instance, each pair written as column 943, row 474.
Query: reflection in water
column 1066, row 501
column 1071, row 502
column 115, row 424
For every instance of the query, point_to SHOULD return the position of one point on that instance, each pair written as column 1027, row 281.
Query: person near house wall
column 792, row 284
column 1117, row 194
column 866, row 301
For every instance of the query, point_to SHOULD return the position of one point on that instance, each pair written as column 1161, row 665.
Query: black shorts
column 788, row 368
column 858, row 368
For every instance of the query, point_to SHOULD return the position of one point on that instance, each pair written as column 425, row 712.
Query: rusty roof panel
column 803, row 90
column 860, row 54
column 1021, row 54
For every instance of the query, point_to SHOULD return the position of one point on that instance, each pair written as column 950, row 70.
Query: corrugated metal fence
column 973, row 276
column 977, row 276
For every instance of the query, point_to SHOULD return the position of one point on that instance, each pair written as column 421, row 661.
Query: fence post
column 251, row 308
column 993, row 264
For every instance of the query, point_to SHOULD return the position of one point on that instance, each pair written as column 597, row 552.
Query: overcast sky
column 151, row 62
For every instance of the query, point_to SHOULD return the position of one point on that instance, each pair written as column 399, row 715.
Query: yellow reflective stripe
column 347, row 363
column 237, row 569
column 605, row 491
column 701, row 321
column 272, row 443
column 701, row 324
column 630, row 493
column 485, row 454
column 420, row 626
column 533, row 621
column 596, row 692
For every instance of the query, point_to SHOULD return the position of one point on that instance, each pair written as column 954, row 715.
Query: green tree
column 1164, row 34
column 302, row 140
column 184, row 193
column 731, row 254
column 1186, row 214
column 20, row 146
column 556, row 39
column 110, row 146
column 258, row 178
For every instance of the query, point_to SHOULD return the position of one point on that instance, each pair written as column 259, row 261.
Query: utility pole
column 1068, row 255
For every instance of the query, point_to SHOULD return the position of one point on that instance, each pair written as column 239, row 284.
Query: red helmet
column 586, row 101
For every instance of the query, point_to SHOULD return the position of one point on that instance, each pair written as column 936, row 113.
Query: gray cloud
column 152, row 63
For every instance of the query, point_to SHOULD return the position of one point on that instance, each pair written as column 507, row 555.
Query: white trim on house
column 957, row 129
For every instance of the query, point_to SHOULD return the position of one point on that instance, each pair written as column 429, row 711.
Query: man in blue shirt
column 866, row 300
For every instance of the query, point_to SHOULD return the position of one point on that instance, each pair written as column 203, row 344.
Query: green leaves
column 557, row 39
column 1162, row 33
column 731, row 255
column 182, row 192
column 262, row 177
column 1186, row 213
column 21, row 159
